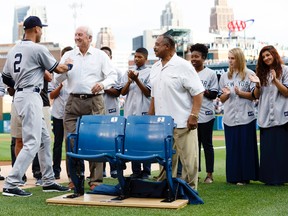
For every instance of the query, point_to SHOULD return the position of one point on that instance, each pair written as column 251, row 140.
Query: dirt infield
column 218, row 137
column 5, row 163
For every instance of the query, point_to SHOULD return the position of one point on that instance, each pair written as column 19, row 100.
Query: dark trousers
column 112, row 167
column 136, row 168
column 36, row 168
column 205, row 136
column 58, row 130
column 179, row 169
column 12, row 146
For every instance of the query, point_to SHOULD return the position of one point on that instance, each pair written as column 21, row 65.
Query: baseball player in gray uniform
column 24, row 70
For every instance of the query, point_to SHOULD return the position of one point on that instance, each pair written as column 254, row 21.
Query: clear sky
column 128, row 18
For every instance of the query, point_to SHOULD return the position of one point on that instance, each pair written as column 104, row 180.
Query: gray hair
column 87, row 30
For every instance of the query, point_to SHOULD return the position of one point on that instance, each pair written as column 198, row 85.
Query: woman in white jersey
column 239, row 121
column 271, row 89
column 206, row 119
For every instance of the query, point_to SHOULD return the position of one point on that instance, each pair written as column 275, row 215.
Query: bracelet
column 70, row 66
column 194, row 115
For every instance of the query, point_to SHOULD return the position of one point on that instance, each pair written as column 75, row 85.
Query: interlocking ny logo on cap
column 33, row 21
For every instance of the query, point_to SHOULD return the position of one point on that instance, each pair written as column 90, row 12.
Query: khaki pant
column 76, row 107
column 16, row 123
column 186, row 146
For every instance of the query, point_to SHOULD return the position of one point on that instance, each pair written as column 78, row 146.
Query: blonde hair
column 240, row 63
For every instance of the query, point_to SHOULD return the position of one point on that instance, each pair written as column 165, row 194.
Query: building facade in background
column 171, row 17
column 105, row 37
column 221, row 15
column 21, row 13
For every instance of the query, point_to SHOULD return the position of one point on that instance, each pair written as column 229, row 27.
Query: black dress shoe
column 136, row 176
column 2, row 178
column 72, row 196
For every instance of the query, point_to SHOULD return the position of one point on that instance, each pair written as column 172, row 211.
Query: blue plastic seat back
column 97, row 134
column 145, row 135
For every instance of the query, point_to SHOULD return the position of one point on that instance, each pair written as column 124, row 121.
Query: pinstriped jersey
column 237, row 110
column 273, row 106
column 136, row 103
column 26, row 63
column 112, row 106
column 209, row 80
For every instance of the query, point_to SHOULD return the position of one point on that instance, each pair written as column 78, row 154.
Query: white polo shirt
column 95, row 66
column 173, row 87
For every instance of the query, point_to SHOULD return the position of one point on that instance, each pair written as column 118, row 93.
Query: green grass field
column 5, row 147
column 219, row 198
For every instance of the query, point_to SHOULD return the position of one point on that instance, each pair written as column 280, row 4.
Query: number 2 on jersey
column 18, row 58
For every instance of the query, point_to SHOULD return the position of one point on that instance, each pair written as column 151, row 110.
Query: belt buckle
column 82, row 96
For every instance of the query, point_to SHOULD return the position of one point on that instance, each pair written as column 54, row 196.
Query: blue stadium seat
column 98, row 138
column 149, row 139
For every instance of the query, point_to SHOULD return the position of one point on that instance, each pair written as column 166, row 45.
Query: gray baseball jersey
column 237, row 110
column 58, row 106
column 209, row 80
column 26, row 63
column 112, row 106
column 273, row 106
column 136, row 103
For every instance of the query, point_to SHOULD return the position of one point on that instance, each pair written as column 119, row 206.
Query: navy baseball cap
column 32, row 21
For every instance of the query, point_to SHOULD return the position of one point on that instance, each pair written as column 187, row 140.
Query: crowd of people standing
column 87, row 83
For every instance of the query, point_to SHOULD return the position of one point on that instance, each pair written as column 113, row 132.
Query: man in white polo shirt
column 177, row 91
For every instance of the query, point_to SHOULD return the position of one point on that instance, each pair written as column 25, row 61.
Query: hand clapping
column 226, row 90
column 254, row 78
column 133, row 75
column 273, row 74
